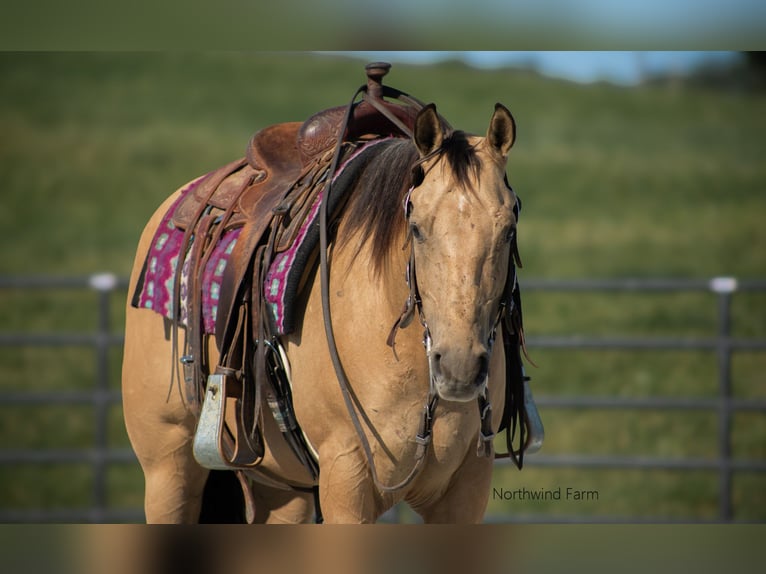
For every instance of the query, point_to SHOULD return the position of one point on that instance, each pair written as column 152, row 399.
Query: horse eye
column 416, row 233
column 511, row 233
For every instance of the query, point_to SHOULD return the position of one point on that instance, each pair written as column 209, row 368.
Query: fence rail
column 100, row 456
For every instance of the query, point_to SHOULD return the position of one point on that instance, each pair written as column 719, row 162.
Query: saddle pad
column 155, row 287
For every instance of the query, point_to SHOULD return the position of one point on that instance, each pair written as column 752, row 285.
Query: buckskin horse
column 338, row 320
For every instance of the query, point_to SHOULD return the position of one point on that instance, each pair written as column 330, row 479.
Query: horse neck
column 372, row 303
column 387, row 284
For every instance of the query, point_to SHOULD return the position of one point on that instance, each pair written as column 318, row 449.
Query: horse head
column 461, row 216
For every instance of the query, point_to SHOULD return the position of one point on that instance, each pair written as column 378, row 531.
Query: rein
column 508, row 317
column 372, row 93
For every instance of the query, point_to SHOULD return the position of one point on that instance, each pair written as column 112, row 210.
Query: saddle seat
column 274, row 150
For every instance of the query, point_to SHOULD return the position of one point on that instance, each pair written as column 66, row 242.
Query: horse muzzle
column 459, row 377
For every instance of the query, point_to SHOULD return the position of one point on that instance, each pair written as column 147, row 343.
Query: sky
column 626, row 68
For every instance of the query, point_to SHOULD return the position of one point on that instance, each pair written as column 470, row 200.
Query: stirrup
column 214, row 446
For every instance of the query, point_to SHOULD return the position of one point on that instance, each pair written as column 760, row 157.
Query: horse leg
column 160, row 428
column 174, row 480
column 346, row 491
column 465, row 500
column 279, row 506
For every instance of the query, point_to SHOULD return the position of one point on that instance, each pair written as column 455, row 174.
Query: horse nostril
column 483, row 371
column 436, row 359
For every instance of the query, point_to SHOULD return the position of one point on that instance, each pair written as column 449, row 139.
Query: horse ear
column 502, row 130
column 428, row 134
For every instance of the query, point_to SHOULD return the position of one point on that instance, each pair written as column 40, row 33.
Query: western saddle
column 268, row 194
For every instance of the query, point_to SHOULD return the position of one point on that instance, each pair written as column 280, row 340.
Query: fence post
column 724, row 287
column 104, row 284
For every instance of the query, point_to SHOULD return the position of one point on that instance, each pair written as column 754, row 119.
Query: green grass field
column 651, row 181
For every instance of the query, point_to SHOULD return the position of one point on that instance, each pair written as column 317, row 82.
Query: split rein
column 423, row 437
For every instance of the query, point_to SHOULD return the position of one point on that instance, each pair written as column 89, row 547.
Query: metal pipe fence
column 725, row 405
column 100, row 456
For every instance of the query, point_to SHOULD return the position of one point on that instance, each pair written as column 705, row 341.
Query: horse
column 430, row 221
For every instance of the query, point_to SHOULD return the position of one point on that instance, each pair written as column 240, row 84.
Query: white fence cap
column 103, row 281
column 723, row 284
